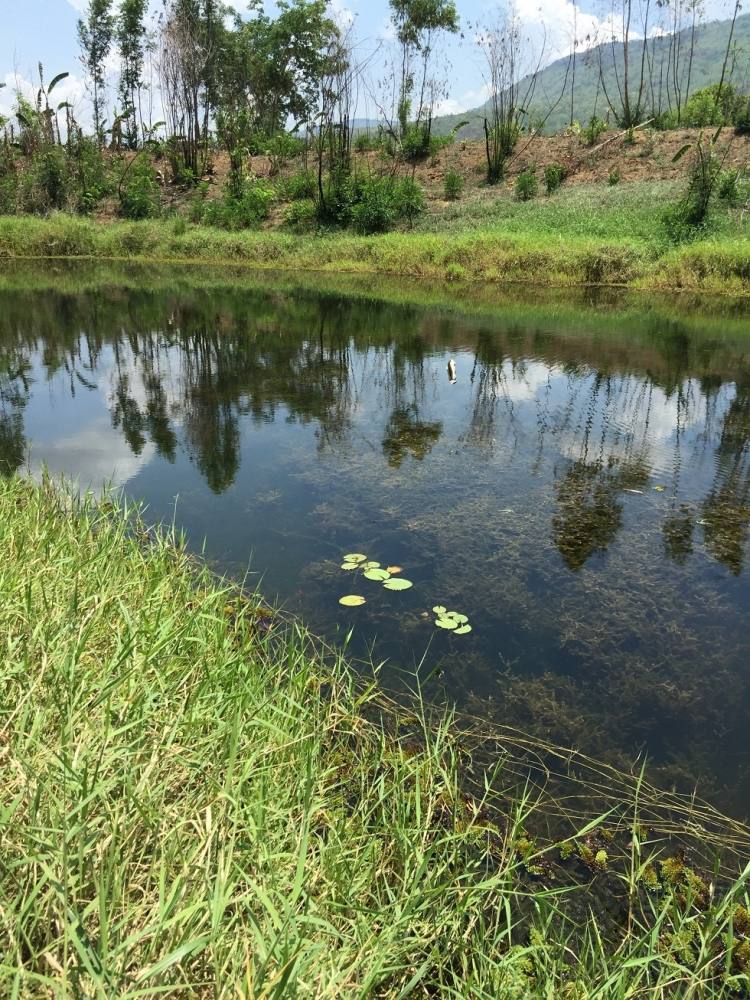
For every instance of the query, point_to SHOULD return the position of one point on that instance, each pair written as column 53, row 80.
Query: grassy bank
column 197, row 805
column 488, row 254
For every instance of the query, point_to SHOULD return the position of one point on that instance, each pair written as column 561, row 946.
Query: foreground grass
column 492, row 252
column 196, row 806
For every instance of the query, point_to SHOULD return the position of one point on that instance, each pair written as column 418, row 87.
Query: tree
column 95, row 38
column 189, row 42
column 131, row 34
column 626, row 97
column 418, row 24
column 511, row 73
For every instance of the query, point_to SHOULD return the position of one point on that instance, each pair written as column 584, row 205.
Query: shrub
column 91, row 178
column 301, row 185
column 593, row 130
column 140, row 197
column 374, row 210
column 301, row 215
column 554, row 175
column 179, row 227
column 408, row 199
column 527, row 185
column 614, row 176
column 245, row 211
column 453, row 185
column 365, row 143
column 710, row 106
column 728, row 186
column 742, row 116
column 50, row 171
column 282, row 147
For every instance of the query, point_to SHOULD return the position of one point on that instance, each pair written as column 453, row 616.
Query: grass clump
column 527, row 185
column 453, row 185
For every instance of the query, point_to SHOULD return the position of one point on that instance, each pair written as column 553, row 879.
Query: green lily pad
column 355, row 557
column 457, row 617
column 446, row 623
column 463, row 630
column 349, row 565
column 377, row 574
column 352, row 601
column 398, row 583
column 371, row 564
column 439, row 609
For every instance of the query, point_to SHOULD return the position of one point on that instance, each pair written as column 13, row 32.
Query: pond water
column 581, row 491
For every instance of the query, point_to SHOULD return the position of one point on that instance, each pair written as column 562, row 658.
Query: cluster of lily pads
column 452, row 621
column 372, row 570
column 388, row 576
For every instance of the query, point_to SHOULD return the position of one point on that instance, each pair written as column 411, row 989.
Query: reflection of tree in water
column 14, row 394
column 407, row 432
column 589, row 512
column 406, row 435
column 678, row 533
column 726, row 510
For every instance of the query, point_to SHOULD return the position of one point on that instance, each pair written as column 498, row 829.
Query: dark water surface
column 582, row 492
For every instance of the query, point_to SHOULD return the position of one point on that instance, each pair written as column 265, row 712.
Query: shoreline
column 486, row 256
column 234, row 806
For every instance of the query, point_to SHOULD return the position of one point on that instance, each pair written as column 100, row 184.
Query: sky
column 45, row 30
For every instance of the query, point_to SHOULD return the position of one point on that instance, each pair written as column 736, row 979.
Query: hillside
column 711, row 41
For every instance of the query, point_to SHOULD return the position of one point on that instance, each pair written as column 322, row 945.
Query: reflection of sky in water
column 607, row 614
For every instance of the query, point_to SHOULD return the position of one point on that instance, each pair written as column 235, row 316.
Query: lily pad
column 352, row 601
column 349, row 565
column 457, row 617
column 371, row 564
column 439, row 609
column 355, row 557
column 659, row 489
column 398, row 583
column 394, row 569
column 462, row 630
column 377, row 574
column 448, row 623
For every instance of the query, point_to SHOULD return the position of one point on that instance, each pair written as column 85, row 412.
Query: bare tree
column 512, row 69
column 627, row 89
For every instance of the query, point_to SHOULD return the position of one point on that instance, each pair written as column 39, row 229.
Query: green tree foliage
column 131, row 34
column 417, row 24
column 95, row 33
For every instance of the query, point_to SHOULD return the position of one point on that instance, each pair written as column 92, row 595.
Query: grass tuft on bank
column 489, row 254
column 194, row 805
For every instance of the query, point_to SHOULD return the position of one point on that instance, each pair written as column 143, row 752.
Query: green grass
column 565, row 240
column 193, row 806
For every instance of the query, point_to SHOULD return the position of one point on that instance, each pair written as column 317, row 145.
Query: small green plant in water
column 451, row 621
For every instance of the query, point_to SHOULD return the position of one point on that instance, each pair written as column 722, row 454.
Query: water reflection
column 585, row 498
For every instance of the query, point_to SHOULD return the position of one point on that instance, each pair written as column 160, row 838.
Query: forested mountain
column 588, row 95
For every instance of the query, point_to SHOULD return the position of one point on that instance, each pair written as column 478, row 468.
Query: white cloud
column 94, row 455
column 466, row 101
column 72, row 89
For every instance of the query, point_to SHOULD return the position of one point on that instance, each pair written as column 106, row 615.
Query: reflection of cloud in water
column 94, row 455
column 527, row 381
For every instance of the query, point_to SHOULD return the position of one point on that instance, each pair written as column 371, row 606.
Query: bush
column 453, row 185
column 301, row 215
column 614, row 176
column 140, row 197
column 282, row 147
column 409, row 200
column 554, row 175
column 365, row 143
column 593, row 130
column 728, row 186
column 302, row 185
column 710, row 106
column 374, row 210
column 245, row 211
column 742, row 116
column 91, row 178
column 527, row 185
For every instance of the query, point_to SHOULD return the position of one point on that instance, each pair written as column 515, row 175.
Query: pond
column 580, row 491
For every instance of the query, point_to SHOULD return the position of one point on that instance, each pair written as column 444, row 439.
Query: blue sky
column 45, row 30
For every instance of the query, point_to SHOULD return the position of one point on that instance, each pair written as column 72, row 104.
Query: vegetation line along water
column 152, row 838
column 476, row 256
